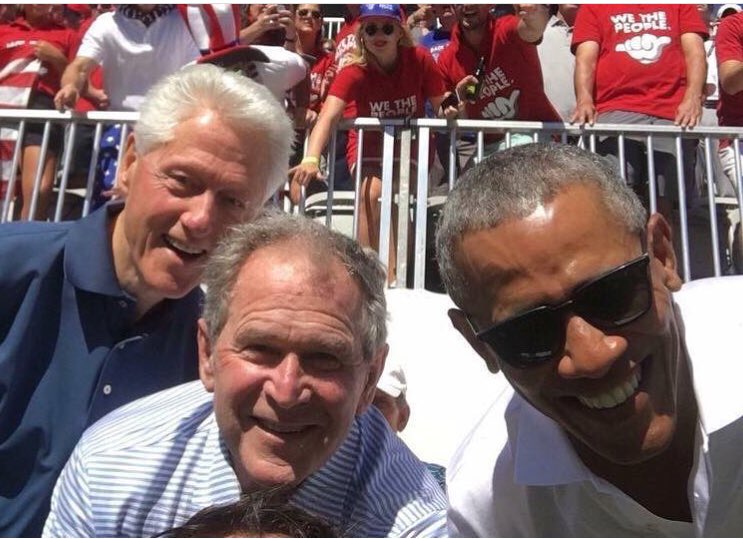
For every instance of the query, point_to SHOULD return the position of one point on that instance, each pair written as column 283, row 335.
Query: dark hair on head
column 258, row 514
column 510, row 185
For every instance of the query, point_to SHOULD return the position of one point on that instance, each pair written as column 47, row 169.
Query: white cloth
column 517, row 474
column 448, row 384
column 134, row 56
column 558, row 65
column 284, row 70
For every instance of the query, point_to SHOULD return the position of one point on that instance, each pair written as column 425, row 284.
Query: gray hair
column 246, row 106
column 512, row 184
column 274, row 227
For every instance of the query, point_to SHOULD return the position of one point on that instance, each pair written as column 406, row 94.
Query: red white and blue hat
column 391, row 11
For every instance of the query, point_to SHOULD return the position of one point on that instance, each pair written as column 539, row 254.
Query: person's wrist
column 311, row 160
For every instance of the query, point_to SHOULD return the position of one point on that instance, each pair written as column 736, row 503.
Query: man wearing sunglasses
column 621, row 420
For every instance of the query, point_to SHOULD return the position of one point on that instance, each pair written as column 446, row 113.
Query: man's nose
column 200, row 215
column 589, row 352
column 287, row 385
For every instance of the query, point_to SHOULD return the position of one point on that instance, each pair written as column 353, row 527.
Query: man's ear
column 404, row 411
column 376, row 366
column 127, row 164
column 660, row 248
column 462, row 325
column 206, row 369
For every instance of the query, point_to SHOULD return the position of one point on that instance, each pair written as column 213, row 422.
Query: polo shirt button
column 107, row 389
column 123, row 304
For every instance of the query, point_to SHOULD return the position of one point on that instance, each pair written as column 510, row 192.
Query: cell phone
column 451, row 101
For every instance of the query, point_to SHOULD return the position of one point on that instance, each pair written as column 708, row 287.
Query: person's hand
column 268, row 19
column 585, row 113
column 305, row 172
column 424, row 13
column 99, row 97
column 66, row 97
column 286, row 21
column 689, row 112
column 46, row 52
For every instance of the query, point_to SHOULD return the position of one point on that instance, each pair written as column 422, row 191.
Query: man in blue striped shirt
column 291, row 344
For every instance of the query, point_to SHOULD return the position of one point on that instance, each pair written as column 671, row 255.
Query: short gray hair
column 511, row 185
column 274, row 227
column 246, row 106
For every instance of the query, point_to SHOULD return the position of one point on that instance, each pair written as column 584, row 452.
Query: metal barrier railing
column 409, row 186
column 330, row 26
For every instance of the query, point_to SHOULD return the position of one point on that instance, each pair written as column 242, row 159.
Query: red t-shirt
column 729, row 46
column 321, row 76
column 513, row 88
column 18, row 39
column 641, row 66
column 369, row 92
column 345, row 42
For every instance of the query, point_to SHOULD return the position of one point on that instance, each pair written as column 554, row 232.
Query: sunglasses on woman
column 304, row 12
column 612, row 300
column 387, row 29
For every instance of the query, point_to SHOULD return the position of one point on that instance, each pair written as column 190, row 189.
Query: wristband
column 311, row 159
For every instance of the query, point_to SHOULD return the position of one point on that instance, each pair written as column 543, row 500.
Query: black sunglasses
column 304, row 12
column 387, row 29
column 611, row 300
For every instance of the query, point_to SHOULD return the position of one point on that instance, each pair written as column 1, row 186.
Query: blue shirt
column 70, row 352
column 151, row 465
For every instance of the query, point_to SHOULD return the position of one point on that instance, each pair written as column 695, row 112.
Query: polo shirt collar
column 88, row 258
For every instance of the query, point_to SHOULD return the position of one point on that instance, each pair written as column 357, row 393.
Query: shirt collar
column 531, row 433
column 132, row 11
column 88, row 258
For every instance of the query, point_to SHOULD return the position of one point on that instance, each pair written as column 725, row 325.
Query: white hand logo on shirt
column 646, row 48
column 502, row 108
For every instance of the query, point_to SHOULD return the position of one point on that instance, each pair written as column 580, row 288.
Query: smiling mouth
column 181, row 249
column 280, row 428
column 614, row 397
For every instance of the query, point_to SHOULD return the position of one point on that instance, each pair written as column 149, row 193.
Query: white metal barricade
column 706, row 245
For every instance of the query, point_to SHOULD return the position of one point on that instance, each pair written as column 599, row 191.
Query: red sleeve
column 433, row 81
column 691, row 21
column 586, row 27
column 346, row 83
column 728, row 43
column 444, row 63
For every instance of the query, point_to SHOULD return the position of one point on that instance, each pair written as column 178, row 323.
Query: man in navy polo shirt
column 99, row 312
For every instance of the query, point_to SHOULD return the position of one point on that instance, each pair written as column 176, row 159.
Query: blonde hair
column 359, row 54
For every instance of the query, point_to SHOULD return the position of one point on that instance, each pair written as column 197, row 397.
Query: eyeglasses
column 387, row 29
column 612, row 300
column 314, row 12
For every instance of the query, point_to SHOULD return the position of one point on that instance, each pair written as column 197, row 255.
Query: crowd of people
column 536, row 62
column 213, row 366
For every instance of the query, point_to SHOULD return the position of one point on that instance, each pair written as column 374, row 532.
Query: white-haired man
column 102, row 311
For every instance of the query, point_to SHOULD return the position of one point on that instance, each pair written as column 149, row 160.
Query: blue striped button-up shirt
column 151, row 465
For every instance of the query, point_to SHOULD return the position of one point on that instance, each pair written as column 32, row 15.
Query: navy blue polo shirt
column 71, row 351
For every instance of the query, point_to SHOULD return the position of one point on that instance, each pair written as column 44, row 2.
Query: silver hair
column 244, row 105
column 512, row 184
column 274, row 227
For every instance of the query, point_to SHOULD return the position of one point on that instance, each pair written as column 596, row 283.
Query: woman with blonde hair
column 388, row 78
